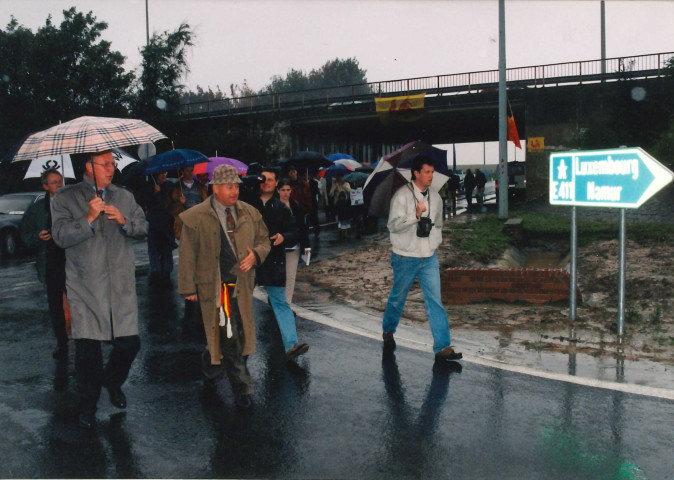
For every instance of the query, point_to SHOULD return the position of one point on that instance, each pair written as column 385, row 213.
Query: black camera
column 424, row 227
column 249, row 189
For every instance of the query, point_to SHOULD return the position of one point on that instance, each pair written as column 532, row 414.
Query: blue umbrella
column 335, row 170
column 173, row 160
column 339, row 156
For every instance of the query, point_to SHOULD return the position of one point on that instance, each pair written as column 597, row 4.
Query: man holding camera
column 415, row 226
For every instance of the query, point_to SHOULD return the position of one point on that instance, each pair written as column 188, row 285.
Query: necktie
column 231, row 225
column 425, row 192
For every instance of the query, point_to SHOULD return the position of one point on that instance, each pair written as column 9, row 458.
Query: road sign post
column 620, row 178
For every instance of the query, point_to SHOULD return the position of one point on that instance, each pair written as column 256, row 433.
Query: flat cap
column 225, row 174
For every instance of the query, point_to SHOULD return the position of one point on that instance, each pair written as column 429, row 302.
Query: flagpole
column 502, row 120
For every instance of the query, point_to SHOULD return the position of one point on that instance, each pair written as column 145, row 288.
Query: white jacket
column 402, row 222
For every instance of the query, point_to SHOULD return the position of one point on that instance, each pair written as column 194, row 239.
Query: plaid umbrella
column 87, row 135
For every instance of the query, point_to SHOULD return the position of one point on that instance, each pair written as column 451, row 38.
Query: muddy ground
column 362, row 278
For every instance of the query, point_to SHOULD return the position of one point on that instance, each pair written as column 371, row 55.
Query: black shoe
column 117, row 397
column 87, row 421
column 61, row 353
column 446, row 367
column 244, row 401
column 448, row 354
column 389, row 342
column 297, row 350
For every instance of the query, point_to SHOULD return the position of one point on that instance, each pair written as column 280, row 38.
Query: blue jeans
column 284, row 315
column 427, row 271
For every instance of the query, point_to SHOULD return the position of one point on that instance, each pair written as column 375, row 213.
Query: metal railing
column 555, row 74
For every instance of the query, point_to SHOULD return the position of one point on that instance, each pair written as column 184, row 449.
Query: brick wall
column 533, row 285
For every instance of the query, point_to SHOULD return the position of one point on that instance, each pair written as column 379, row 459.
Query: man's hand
column 248, row 261
column 192, row 298
column 421, row 208
column 44, row 235
column 276, row 239
column 96, row 206
column 113, row 213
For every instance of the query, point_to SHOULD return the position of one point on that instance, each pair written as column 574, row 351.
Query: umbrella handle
column 93, row 173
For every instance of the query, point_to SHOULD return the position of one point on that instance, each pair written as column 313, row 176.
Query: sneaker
column 297, row 350
column 389, row 342
column 448, row 354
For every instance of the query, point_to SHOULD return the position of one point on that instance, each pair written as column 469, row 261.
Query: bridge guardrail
column 586, row 71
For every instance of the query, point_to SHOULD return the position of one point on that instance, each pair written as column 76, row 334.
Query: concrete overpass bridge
column 549, row 101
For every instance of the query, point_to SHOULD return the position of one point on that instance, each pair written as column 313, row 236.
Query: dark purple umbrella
column 394, row 171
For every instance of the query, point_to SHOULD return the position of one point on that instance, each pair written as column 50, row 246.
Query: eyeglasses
column 107, row 165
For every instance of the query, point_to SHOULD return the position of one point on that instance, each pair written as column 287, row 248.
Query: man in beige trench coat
column 222, row 241
column 96, row 223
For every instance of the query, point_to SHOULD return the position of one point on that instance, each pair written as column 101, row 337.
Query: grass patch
column 483, row 238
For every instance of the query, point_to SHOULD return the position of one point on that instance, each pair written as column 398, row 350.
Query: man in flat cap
column 223, row 240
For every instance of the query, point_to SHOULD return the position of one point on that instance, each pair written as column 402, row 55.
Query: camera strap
column 411, row 187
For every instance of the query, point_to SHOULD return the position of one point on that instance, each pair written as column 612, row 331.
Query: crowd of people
column 231, row 235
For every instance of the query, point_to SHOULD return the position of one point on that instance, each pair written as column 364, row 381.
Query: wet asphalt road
column 342, row 411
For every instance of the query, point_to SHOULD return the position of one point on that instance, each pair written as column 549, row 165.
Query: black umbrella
column 307, row 160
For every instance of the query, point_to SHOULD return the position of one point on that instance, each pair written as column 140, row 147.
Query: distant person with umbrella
column 480, row 182
column 96, row 223
column 469, row 185
column 415, row 226
column 301, row 193
column 161, row 240
column 224, row 241
column 51, row 259
column 185, row 195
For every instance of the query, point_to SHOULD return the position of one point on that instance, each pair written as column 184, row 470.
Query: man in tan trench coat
column 222, row 241
column 96, row 223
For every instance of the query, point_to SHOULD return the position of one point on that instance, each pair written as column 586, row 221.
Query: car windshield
column 15, row 204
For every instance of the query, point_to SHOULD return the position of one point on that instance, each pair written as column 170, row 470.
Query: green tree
column 58, row 73
column 337, row 73
column 294, row 81
column 158, row 90
column 663, row 149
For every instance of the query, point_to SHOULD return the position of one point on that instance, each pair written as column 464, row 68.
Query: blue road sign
column 620, row 178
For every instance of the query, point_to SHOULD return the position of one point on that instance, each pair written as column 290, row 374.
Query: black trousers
column 55, row 290
column 91, row 375
column 233, row 361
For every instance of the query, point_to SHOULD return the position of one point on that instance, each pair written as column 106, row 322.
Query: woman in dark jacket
column 283, row 232
column 293, row 252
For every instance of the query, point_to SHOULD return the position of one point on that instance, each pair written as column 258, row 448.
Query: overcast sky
column 391, row 39
column 256, row 39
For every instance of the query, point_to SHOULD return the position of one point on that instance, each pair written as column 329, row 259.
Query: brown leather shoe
column 389, row 342
column 448, row 354
column 297, row 350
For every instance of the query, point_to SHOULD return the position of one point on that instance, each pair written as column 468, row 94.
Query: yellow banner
column 400, row 104
column 535, row 144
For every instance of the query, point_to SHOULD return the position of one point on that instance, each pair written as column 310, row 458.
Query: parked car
column 517, row 180
column 12, row 208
